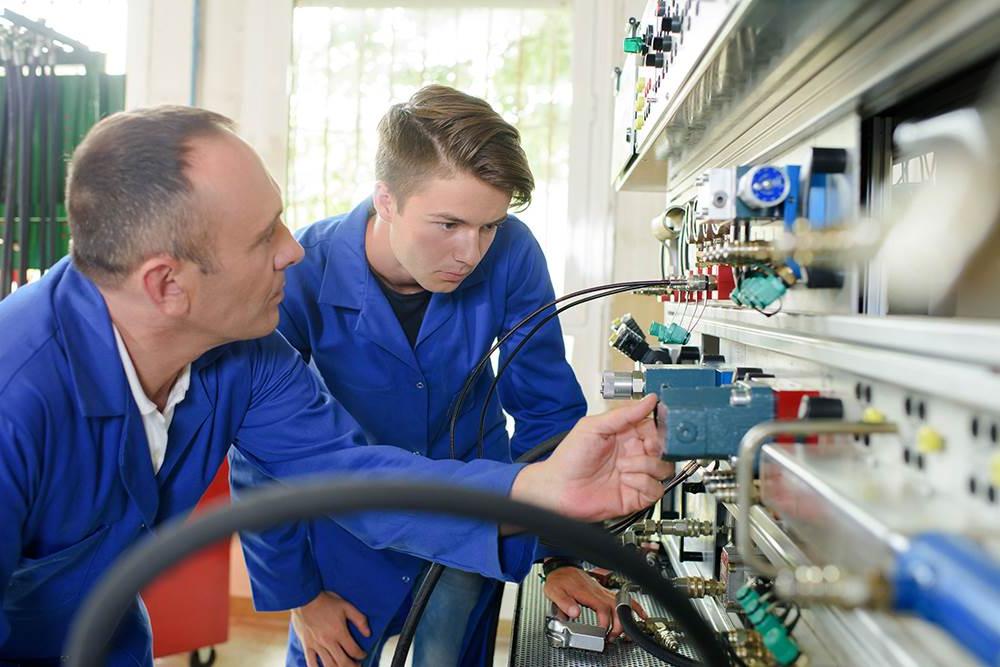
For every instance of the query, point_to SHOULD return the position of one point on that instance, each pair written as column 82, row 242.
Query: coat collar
column 89, row 344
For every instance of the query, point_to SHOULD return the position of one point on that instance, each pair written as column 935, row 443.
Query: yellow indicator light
column 995, row 470
column 929, row 441
column 873, row 416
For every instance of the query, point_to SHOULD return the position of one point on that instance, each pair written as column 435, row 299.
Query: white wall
column 244, row 53
column 607, row 238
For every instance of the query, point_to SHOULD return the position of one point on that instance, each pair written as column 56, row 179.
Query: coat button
column 406, row 580
column 420, row 385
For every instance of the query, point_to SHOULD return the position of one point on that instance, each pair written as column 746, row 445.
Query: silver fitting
column 622, row 384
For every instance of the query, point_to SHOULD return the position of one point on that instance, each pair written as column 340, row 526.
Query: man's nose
column 467, row 251
column 290, row 253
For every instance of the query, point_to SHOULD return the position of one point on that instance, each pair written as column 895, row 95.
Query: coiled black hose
column 95, row 625
column 430, row 579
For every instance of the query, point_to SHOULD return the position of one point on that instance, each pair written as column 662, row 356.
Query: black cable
column 180, row 537
column 485, row 359
column 420, row 599
column 483, row 413
column 10, row 186
column 25, row 128
column 42, row 90
column 429, row 581
column 647, row 643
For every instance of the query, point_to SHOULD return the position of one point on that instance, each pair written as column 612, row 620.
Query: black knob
column 656, row 60
column 821, row 407
column 743, row 371
column 672, row 23
column 690, row 354
column 664, row 43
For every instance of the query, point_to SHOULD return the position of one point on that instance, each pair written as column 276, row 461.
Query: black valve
column 655, row 60
column 821, row 407
column 663, row 43
column 673, row 23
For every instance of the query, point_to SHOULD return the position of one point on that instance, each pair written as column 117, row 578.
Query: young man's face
column 444, row 228
column 252, row 245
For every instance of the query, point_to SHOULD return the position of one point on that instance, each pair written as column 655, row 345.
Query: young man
column 128, row 371
column 395, row 302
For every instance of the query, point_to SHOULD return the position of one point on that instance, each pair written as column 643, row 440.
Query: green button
column 633, row 44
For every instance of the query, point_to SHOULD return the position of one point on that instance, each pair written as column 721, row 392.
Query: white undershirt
column 155, row 423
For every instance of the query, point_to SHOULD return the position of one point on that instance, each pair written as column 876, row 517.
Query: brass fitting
column 699, row 587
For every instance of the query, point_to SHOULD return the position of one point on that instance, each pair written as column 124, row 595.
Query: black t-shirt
column 409, row 309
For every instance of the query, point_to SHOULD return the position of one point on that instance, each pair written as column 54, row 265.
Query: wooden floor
column 258, row 640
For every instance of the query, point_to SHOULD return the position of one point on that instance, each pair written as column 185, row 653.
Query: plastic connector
column 672, row 334
column 774, row 634
column 759, row 291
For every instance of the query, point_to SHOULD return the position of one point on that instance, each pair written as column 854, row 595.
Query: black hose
column 56, row 175
column 420, row 599
column 513, row 353
column 429, row 581
column 646, row 643
column 485, row 359
column 180, row 537
column 25, row 129
column 10, row 185
column 43, row 173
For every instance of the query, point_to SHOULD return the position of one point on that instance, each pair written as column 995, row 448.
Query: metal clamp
column 564, row 633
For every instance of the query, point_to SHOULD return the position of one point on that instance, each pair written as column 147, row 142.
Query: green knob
column 633, row 44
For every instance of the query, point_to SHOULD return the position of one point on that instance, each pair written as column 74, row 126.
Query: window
column 350, row 64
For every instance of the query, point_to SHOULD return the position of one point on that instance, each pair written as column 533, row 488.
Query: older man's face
column 252, row 245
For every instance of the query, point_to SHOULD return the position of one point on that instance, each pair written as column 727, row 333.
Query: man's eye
column 489, row 229
column 448, row 226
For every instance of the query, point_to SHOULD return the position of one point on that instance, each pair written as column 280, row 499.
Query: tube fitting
column 699, row 587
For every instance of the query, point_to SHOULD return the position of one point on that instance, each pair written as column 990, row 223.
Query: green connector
column 674, row 334
column 759, row 291
column 633, row 44
column 784, row 649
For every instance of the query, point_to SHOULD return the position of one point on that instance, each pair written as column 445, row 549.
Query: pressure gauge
column 764, row 186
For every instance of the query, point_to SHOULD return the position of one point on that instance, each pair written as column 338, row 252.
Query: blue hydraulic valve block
column 708, row 422
column 952, row 582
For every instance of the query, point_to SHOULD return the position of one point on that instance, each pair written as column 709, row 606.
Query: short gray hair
column 128, row 195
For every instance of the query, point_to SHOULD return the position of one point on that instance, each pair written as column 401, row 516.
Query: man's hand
column 570, row 588
column 322, row 629
column 608, row 466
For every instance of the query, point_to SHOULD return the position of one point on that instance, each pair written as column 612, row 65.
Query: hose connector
column 699, row 587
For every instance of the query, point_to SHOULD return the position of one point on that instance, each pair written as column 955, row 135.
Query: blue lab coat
column 337, row 316
column 77, row 486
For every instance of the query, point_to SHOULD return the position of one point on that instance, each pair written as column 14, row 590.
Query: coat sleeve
column 539, row 389
column 290, row 430
column 15, row 499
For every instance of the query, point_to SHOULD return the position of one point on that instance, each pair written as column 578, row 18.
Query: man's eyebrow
column 451, row 218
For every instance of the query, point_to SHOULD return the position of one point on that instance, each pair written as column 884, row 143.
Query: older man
column 129, row 370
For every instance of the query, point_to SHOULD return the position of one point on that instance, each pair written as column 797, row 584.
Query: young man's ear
column 384, row 202
column 162, row 286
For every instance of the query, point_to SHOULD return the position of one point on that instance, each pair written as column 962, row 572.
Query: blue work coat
column 76, row 481
column 337, row 316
